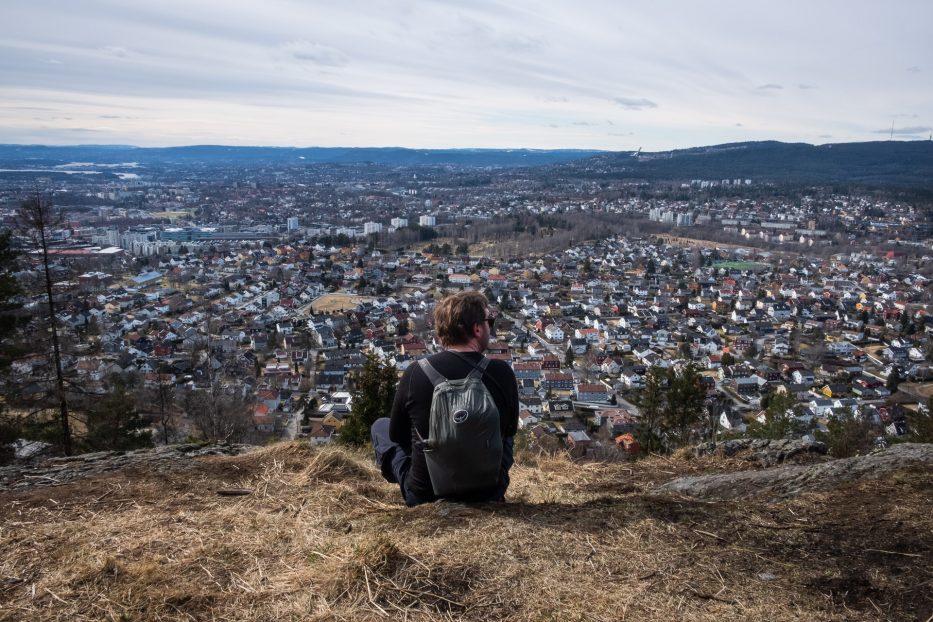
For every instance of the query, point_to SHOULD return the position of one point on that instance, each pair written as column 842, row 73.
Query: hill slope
column 321, row 537
column 889, row 163
column 883, row 163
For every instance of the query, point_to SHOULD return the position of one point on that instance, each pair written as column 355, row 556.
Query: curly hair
column 456, row 315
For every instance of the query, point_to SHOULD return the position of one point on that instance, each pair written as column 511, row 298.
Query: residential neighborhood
column 267, row 292
column 282, row 327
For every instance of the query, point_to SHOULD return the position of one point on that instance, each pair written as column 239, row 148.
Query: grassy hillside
column 321, row 537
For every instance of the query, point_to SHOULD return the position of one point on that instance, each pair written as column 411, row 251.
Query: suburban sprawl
column 242, row 303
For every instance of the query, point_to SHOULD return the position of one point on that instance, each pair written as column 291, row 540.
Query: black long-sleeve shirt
column 411, row 410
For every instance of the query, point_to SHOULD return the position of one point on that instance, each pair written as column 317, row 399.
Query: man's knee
column 379, row 429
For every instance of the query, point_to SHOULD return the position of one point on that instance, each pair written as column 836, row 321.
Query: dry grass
column 321, row 537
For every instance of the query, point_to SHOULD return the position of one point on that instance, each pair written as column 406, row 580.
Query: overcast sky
column 609, row 74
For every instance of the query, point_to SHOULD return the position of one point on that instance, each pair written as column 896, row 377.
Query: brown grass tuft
column 335, row 464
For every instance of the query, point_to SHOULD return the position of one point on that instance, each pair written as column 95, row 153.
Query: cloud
column 481, row 34
column 483, row 73
column 39, row 108
column 115, row 51
column 913, row 129
column 78, row 130
column 633, row 103
column 316, row 53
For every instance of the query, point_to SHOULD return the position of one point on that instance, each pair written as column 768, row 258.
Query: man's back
column 412, row 407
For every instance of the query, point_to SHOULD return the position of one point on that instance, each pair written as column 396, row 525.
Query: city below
column 264, row 287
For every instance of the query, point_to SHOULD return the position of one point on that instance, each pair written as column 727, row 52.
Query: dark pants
column 391, row 457
column 394, row 461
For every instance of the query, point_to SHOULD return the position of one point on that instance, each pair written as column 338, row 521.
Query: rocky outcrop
column 765, row 452
column 788, row 481
column 55, row 471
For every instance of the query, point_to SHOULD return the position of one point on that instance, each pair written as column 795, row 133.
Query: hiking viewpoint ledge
column 294, row 533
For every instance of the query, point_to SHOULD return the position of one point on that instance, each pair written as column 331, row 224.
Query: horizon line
column 529, row 149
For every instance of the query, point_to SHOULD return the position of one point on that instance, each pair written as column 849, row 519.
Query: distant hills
column 877, row 163
column 31, row 156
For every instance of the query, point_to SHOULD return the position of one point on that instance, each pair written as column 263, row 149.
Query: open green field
column 741, row 265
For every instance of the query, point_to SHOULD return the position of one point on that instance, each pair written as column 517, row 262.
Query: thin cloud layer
column 634, row 103
column 308, row 51
column 441, row 73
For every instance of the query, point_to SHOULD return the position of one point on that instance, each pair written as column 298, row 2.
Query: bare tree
column 37, row 219
column 216, row 416
column 163, row 397
column 715, row 408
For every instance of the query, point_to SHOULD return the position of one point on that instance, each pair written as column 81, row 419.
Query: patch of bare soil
column 317, row 535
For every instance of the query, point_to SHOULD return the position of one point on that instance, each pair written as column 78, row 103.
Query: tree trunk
column 40, row 223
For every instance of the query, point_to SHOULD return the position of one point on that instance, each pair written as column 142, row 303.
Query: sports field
column 336, row 302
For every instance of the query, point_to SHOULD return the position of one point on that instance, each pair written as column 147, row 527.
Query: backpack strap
column 433, row 375
column 479, row 369
column 436, row 377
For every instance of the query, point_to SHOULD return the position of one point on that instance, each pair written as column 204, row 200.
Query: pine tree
column 9, row 323
column 113, row 423
column 652, row 403
column 373, row 390
column 894, row 379
column 685, row 404
column 9, row 293
column 848, row 434
column 779, row 418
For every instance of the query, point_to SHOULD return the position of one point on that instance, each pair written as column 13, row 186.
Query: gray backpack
column 464, row 446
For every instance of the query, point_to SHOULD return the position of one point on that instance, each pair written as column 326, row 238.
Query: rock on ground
column 765, row 452
column 789, row 481
column 56, row 471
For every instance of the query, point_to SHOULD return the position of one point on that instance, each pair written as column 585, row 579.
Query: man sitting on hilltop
column 453, row 422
